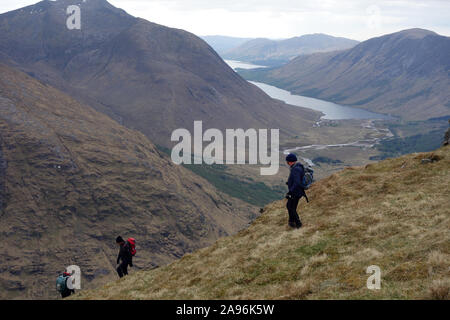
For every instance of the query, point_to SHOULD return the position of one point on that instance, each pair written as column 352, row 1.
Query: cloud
column 358, row 19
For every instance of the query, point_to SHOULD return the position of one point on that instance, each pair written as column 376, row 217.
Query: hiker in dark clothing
column 67, row 288
column 296, row 190
column 124, row 258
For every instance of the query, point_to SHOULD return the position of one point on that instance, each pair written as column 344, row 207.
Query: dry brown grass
column 439, row 290
column 394, row 214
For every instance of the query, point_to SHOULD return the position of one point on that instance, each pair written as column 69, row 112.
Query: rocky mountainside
column 276, row 52
column 405, row 74
column 72, row 179
column 146, row 76
column 393, row 214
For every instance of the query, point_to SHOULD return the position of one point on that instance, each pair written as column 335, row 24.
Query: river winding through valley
column 330, row 110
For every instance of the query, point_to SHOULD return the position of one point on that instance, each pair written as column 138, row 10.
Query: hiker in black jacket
column 296, row 190
column 68, row 288
column 124, row 258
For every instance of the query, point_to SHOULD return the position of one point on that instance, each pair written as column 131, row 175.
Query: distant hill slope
column 276, row 52
column 72, row 179
column 223, row 44
column 393, row 214
column 404, row 74
column 146, row 76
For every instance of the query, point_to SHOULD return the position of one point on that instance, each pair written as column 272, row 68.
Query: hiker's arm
column 118, row 257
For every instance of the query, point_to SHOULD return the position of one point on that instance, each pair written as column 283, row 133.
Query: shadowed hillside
column 393, row 214
column 72, row 179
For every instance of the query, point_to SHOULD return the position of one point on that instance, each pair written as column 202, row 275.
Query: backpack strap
column 304, row 195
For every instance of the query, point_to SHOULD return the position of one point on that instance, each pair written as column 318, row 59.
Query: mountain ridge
column 276, row 52
column 403, row 74
column 222, row 44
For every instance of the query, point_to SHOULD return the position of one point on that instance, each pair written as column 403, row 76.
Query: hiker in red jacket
column 66, row 287
column 124, row 258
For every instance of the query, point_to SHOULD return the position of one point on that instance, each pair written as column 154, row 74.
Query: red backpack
column 132, row 243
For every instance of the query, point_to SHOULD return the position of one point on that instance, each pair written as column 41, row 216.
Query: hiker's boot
column 299, row 225
column 292, row 224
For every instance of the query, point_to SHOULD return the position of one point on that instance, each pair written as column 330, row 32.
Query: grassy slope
column 72, row 179
column 394, row 214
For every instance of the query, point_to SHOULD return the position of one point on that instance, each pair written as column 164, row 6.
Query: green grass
column 326, row 160
column 252, row 192
column 311, row 250
column 417, row 143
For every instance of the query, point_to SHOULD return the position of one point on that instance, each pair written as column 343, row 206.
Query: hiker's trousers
column 291, row 206
column 122, row 269
column 67, row 293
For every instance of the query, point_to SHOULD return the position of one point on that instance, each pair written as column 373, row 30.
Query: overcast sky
column 356, row 19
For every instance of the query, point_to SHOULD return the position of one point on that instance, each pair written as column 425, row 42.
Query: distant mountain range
column 404, row 74
column 146, row 76
column 277, row 52
column 223, row 44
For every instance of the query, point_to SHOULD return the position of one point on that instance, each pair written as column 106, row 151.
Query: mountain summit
column 38, row 33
